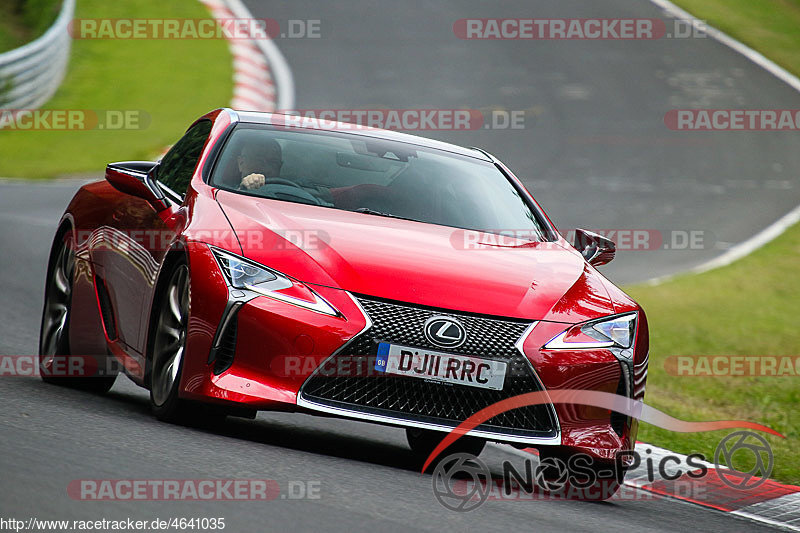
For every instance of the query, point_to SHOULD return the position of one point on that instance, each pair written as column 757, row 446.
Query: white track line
column 756, row 57
column 782, row 224
column 281, row 73
column 765, row 520
column 742, row 249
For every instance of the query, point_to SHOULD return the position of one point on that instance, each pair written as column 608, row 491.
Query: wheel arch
column 65, row 225
column 177, row 253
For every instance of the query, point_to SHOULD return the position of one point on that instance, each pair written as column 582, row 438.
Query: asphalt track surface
column 596, row 155
column 595, row 151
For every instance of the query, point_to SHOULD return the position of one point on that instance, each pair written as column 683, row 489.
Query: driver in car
column 259, row 162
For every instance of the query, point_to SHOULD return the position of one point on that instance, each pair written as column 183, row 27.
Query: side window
column 178, row 165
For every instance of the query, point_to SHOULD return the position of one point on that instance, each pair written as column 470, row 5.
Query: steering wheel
column 276, row 186
column 281, row 181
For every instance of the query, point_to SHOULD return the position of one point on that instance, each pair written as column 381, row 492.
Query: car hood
column 418, row 263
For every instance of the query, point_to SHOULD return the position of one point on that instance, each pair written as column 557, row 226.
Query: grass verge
column 171, row 82
column 770, row 26
column 747, row 308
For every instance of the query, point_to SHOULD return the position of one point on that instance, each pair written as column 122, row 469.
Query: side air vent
column 106, row 311
column 618, row 420
column 224, row 346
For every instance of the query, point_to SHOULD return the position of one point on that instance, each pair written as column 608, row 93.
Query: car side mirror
column 596, row 249
column 137, row 180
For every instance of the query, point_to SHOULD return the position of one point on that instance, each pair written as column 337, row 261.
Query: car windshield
column 374, row 177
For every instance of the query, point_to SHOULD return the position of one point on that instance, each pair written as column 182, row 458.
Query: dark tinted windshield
column 372, row 176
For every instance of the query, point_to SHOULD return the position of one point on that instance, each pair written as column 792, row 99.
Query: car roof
column 256, row 117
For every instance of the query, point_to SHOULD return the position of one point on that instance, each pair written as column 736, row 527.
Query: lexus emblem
column 445, row 332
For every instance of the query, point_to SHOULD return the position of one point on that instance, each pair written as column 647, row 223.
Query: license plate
column 438, row 366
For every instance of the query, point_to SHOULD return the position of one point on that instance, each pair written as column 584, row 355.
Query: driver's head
column 261, row 158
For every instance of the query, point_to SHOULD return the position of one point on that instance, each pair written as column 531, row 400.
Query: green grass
column 747, row 308
column 13, row 32
column 172, row 81
column 22, row 21
column 770, row 26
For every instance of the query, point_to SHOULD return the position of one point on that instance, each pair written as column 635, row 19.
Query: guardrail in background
column 31, row 74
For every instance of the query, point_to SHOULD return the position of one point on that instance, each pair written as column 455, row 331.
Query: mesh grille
column 415, row 399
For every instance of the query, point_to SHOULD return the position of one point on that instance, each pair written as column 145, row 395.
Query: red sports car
column 273, row 263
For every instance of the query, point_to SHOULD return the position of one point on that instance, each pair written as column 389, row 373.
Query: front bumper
column 285, row 357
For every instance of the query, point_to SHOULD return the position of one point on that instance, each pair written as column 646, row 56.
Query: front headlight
column 243, row 274
column 617, row 331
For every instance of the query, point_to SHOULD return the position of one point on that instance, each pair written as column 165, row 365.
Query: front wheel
column 578, row 476
column 423, row 441
column 170, row 329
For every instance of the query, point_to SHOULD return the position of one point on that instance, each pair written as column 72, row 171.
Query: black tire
column 54, row 345
column 586, row 479
column 169, row 330
column 423, row 441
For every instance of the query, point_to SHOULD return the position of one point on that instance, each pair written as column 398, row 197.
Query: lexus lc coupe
column 274, row 264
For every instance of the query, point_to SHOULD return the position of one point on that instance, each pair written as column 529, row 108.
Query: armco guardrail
column 30, row 74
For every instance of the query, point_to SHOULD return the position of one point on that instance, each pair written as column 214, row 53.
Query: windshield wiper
column 368, row 211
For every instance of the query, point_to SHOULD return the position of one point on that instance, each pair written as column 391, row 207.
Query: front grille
column 412, row 399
